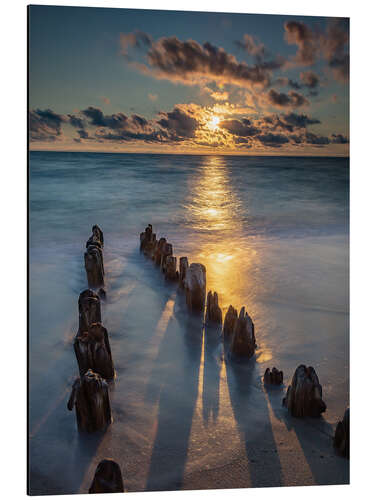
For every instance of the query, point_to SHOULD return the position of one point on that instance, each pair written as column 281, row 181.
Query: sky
column 124, row 80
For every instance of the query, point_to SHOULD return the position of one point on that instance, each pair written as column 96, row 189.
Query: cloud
column 274, row 140
column 45, row 125
column 188, row 124
column 179, row 123
column 335, row 46
column 292, row 99
column 311, row 138
column 309, row 79
column 339, row 139
column 297, row 33
column 137, row 39
column 332, row 45
column 241, row 128
column 219, row 96
column 252, row 47
column 191, row 63
column 153, row 97
column 299, row 121
column 76, row 121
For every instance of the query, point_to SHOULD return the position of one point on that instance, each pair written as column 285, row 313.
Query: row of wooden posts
column 90, row 395
column 304, row 395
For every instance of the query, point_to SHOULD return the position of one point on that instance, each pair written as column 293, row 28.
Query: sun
column 213, row 122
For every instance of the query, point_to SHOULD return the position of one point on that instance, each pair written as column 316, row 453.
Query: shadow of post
column 250, row 411
column 213, row 358
column 315, row 437
column 178, row 362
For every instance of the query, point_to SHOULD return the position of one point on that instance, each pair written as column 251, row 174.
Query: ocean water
column 273, row 234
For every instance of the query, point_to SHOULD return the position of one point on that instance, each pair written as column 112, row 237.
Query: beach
column 273, row 235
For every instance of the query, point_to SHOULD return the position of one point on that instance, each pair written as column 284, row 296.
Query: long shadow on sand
column 315, row 437
column 251, row 414
column 213, row 358
column 75, row 450
column 175, row 379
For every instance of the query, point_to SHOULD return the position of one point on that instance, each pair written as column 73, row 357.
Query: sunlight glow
column 213, row 123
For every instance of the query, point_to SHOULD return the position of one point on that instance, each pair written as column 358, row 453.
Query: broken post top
column 97, row 238
column 108, row 478
column 304, row 395
column 88, row 309
column 195, row 287
column 273, row 377
column 213, row 311
column 243, row 339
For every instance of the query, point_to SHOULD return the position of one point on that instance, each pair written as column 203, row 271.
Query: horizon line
column 191, row 154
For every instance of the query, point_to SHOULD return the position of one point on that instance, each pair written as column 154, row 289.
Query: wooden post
column 167, row 250
column 195, row 287
column 341, row 441
column 230, row 321
column 171, row 272
column 273, row 377
column 108, row 478
column 243, row 342
column 94, row 267
column 88, row 310
column 90, row 398
column 93, row 351
column 304, row 395
column 184, row 264
column 213, row 311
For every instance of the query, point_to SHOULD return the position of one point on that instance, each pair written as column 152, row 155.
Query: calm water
column 273, row 235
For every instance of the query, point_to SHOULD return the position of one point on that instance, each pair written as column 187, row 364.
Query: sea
column 273, row 234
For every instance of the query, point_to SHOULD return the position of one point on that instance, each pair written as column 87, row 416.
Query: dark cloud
column 292, row 99
column 252, row 46
column 45, row 125
column 273, row 140
column 190, row 62
column 300, row 34
column 311, row 138
column 137, row 39
column 83, row 134
column 116, row 121
column 339, row 139
column 257, row 49
column 299, row 121
column 77, row 121
column 309, row 79
column 179, row 123
column 332, row 45
column 335, row 46
column 241, row 128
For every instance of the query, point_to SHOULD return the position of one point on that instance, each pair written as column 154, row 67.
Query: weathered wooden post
column 107, row 478
column 213, row 311
column 88, row 309
column 341, row 441
column 273, row 377
column 184, row 264
column 94, row 267
column 148, row 241
column 243, row 343
column 304, row 395
column 158, row 250
column 166, row 251
column 195, row 287
column 171, row 272
column 93, row 351
column 230, row 321
column 97, row 238
column 90, row 398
